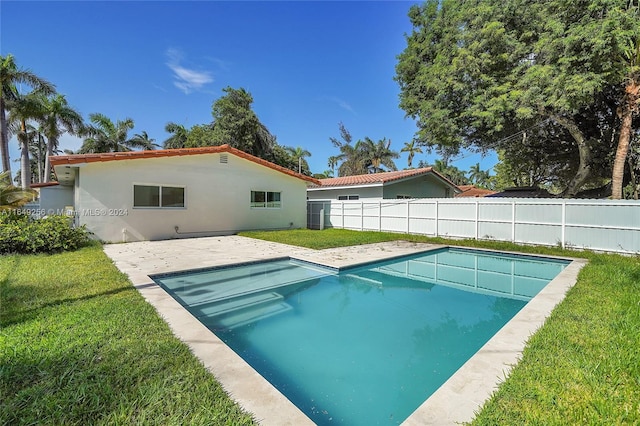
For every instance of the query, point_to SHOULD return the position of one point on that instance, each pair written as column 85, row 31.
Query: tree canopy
column 475, row 73
column 236, row 124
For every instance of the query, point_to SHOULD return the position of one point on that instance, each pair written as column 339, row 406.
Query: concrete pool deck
column 454, row 402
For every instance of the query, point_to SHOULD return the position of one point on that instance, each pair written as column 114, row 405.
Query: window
column 172, row 196
column 348, row 197
column 265, row 200
column 158, row 196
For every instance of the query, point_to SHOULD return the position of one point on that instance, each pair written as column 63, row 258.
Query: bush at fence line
column 21, row 234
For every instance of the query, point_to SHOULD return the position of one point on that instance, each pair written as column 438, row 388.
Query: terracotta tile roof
column 133, row 155
column 472, row 191
column 380, row 178
column 43, row 184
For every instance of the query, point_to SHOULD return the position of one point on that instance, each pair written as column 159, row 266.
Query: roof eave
column 355, row 186
column 80, row 159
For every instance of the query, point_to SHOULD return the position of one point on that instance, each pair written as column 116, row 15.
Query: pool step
column 236, row 303
column 242, row 310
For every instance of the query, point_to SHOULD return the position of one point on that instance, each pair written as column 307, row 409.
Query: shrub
column 20, row 234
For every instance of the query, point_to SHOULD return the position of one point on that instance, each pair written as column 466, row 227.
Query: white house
column 162, row 194
column 414, row 183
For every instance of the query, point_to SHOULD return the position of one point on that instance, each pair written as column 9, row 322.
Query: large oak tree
column 475, row 72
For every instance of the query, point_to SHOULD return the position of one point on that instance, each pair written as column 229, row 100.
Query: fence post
column 477, row 210
column 436, row 218
column 513, row 221
column 362, row 215
column 564, row 222
column 380, row 216
column 342, row 210
column 408, row 216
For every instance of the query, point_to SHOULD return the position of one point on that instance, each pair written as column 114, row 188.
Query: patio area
column 454, row 402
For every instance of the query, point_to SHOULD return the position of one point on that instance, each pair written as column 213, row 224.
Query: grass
column 582, row 367
column 79, row 345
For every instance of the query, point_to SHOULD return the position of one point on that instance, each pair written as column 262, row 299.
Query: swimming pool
column 363, row 345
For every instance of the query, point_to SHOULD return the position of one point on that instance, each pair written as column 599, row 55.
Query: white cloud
column 341, row 103
column 186, row 79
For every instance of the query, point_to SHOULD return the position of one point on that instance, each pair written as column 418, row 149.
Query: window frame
column 349, row 197
column 160, row 205
column 264, row 205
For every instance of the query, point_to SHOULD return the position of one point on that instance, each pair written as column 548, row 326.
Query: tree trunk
column 25, row 165
column 584, row 151
column 47, row 162
column 40, row 162
column 629, row 106
column 4, row 140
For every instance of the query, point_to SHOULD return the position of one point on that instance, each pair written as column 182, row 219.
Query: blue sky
column 308, row 65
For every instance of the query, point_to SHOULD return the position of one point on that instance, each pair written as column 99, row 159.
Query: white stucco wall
column 217, row 198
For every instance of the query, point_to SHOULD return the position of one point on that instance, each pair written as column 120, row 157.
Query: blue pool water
column 365, row 345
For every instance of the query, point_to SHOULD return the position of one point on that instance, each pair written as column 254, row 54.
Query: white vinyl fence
column 601, row 225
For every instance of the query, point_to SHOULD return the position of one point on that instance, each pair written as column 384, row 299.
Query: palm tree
column 332, row 162
column 379, row 154
column 297, row 155
column 456, row 175
column 363, row 157
column 478, row 176
column 12, row 197
column 350, row 155
column 324, row 175
column 107, row 136
column 440, row 166
column 353, row 161
column 630, row 107
column 25, row 108
column 142, row 140
column 37, row 148
column 453, row 173
column 412, row 150
column 178, row 137
column 58, row 118
column 10, row 76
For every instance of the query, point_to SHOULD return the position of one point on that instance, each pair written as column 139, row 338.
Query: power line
column 518, row 134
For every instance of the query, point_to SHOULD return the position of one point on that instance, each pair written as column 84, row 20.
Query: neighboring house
column 413, row 183
column 52, row 197
column 473, row 191
column 152, row 195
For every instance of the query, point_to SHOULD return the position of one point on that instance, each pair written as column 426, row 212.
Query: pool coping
column 456, row 401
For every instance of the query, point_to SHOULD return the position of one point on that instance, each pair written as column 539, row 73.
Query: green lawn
column 79, row 345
